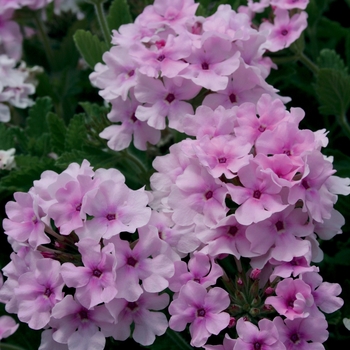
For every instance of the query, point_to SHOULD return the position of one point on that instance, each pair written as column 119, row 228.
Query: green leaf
column 26, row 161
column 97, row 158
column 119, row 13
column 22, row 179
column 330, row 59
column 57, row 132
column 333, row 91
column 76, row 133
column 90, row 47
column 36, row 122
column 39, row 146
column 6, row 137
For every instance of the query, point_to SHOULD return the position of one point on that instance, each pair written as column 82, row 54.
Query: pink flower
column 294, row 299
column 8, row 326
column 285, row 30
column 302, row 333
column 250, row 337
column 24, row 223
column 95, row 281
column 38, row 292
column 202, row 309
column 147, row 323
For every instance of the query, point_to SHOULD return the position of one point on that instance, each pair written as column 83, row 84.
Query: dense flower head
column 170, row 49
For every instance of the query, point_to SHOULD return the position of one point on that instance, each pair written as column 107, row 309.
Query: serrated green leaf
column 90, row 47
column 333, row 91
column 118, row 14
column 7, row 140
column 57, row 132
column 330, row 59
column 36, row 122
column 76, row 133
column 39, row 146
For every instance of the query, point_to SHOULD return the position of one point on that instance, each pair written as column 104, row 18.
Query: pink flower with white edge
column 203, row 309
column 251, row 337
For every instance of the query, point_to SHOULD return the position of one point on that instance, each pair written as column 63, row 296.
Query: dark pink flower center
column 232, row 98
column 262, row 128
column 257, row 194
column 232, row 230
column 201, row 313
column 287, row 152
column 131, row 261
column 222, row 160
column 78, row 207
column 133, row 118
column 131, row 73
column 197, row 28
column 305, row 184
column 279, row 225
column 284, row 32
column 170, row 98
column 257, row 346
column 294, row 338
column 48, row 292
column 208, row 194
column 110, row 217
column 97, row 273
column 83, row 314
column 132, row 305
column 205, row 66
column 160, row 58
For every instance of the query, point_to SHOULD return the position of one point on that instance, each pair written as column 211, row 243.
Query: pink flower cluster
column 71, row 273
column 164, row 63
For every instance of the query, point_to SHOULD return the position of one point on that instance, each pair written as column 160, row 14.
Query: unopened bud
column 232, row 322
column 254, row 274
column 269, row 290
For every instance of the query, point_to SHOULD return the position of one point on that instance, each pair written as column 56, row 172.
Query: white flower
column 7, row 159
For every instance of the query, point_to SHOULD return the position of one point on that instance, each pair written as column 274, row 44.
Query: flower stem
column 44, row 38
column 177, row 339
column 308, row 63
column 103, row 22
column 10, row 347
column 343, row 122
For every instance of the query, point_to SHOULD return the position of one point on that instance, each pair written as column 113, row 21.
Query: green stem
column 176, row 338
column 9, row 347
column 103, row 22
column 44, row 38
column 135, row 160
column 308, row 63
column 343, row 122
